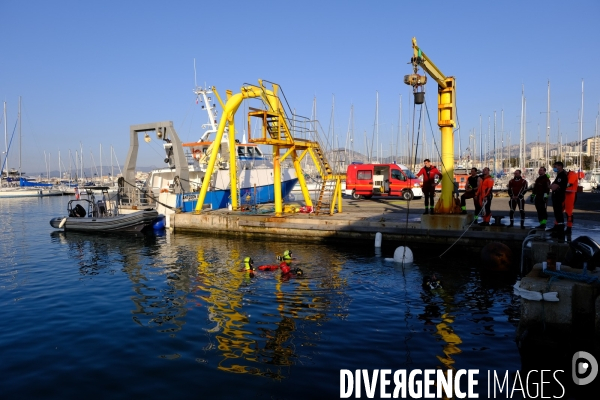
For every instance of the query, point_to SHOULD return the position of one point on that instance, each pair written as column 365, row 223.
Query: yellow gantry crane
column 277, row 133
column 446, row 120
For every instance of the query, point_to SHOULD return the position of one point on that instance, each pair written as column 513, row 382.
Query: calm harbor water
column 172, row 316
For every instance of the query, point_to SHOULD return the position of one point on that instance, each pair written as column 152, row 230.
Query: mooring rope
column 475, row 219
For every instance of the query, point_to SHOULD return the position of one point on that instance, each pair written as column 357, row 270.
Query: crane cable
column 439, row 155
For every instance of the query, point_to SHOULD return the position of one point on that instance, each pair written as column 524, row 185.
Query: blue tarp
column 25, row 182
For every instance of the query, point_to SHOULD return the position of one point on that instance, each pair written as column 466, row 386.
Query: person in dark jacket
column 470, row 190
column 431, row 176
column 516, row 193
column 539, row 197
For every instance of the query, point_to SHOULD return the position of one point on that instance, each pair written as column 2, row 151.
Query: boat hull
column 248, row 196
column 134, row 222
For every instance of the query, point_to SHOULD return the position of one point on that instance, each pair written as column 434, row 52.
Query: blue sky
column 86, row 71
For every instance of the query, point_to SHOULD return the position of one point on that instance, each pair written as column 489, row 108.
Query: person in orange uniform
column 570, row 198
column 516, row 193
column 484, row 195
column 559, row 190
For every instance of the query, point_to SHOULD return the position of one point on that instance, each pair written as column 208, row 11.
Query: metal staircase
column 286, row 133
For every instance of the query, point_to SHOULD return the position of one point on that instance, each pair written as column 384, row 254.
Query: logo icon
column 583, row 363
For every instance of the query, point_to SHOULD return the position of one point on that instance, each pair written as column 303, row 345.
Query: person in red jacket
column 516, row 193
column 484, row 195
column 431, row 176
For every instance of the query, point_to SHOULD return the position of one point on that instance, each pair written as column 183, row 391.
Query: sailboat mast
column 502, row 129
column 377, row 124
column 487, row 143
column 112, row 172
column 548, row 128
column 525, row 131
column 5, row 142
column 521, row 128
column 19, row 137
column 495, row 167
column 558, row 140
column 81, row 157
column 399, row 151
column 581, row 129
column 595, row 143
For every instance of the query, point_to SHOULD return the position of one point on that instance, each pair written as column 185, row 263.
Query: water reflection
column 258, row 321
column 468, row 308
column 133, row 254
column 259, row 325
column 264, row 325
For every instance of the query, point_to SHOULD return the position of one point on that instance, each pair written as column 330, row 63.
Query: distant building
column 592, row 147
column 537, row 152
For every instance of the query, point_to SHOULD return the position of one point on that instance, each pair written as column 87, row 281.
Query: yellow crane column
column 232, row 164
column 446, row 120
column 445, row 204
column 277, row 181
column 300, row 175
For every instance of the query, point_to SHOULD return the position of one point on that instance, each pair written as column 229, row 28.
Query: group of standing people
column 479, row 188
column 564, row 194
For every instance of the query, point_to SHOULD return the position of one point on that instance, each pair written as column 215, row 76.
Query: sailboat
column 13, row 184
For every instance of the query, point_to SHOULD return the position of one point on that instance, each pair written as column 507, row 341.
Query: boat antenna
column 195, row 83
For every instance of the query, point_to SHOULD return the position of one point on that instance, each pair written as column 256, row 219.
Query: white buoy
column 62, row 223
column 378, row 238
column 403, row 255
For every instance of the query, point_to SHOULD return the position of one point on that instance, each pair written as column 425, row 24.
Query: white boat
column 594, row 178
column 8, row 192
column 178, row 185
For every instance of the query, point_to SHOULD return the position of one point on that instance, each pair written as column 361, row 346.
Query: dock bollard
column 378, row 238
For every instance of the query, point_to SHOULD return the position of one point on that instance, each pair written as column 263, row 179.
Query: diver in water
column 285, row 266
column 431, row 283
column 287, row 255
column 287, row 271
column 249, row 266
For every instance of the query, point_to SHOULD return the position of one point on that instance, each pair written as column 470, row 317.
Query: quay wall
column 325, row 228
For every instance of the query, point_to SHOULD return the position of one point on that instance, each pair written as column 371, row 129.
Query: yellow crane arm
column 446, row 120
column 421, row 60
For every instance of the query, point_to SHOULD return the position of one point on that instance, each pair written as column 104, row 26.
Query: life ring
column 197, row 153
column 164, row 190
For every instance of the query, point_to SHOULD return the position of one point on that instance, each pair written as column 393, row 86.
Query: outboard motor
column 582, row 250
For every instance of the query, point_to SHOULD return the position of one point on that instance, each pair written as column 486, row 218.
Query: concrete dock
column 396, row 219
